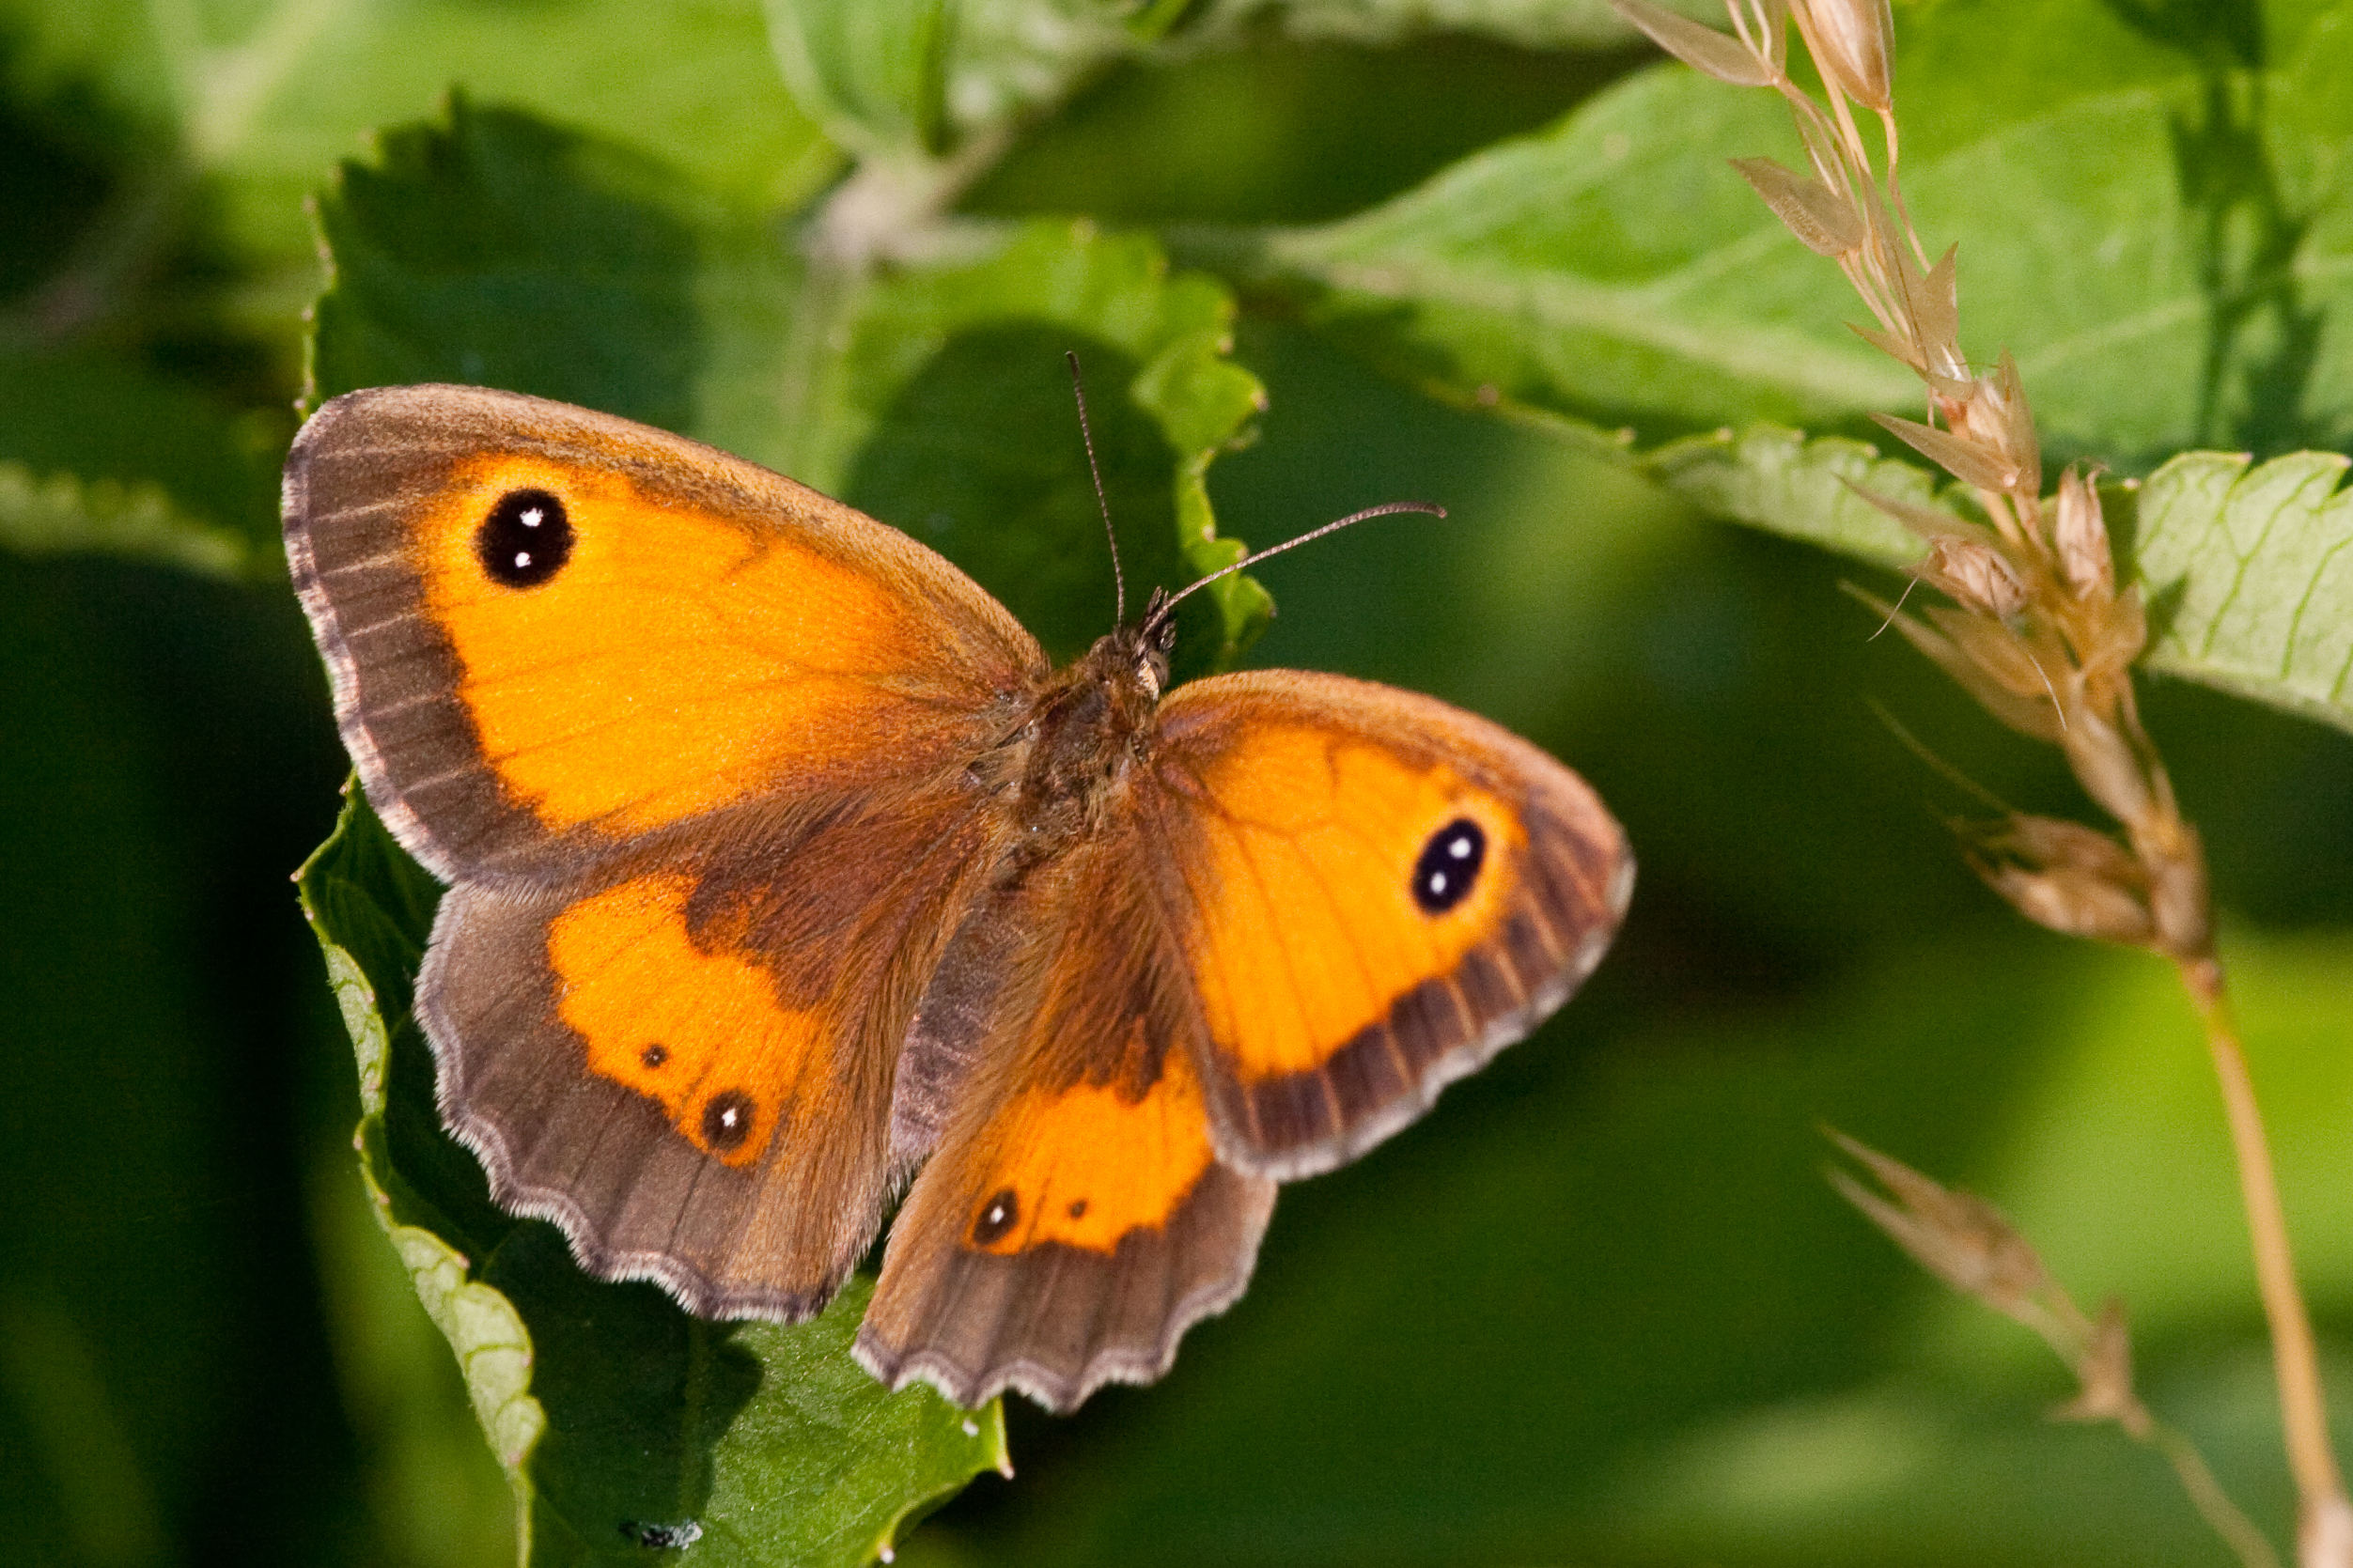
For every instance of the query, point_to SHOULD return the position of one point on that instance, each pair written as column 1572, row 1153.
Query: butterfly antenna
column 1118, row 579
column 1160, row 614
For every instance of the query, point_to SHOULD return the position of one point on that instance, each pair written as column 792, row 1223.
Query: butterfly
column 786, row 875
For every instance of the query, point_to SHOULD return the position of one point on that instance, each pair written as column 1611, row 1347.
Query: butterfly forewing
column 552, row 632
column 1373, row 894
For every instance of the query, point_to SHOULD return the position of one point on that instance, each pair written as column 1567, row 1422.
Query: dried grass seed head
column 1958, row 1236
column 2064, row 876
column 1824, row 220
column 2080, row 538
column 1974, row 575
column 2104, row 1378
column 1704, row 49
column 1852, row 41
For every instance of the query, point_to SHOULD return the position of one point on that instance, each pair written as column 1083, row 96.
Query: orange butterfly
column 783, row 868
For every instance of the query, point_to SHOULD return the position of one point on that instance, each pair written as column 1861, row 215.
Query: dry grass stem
column 2039, row 631
column 1970, row 1245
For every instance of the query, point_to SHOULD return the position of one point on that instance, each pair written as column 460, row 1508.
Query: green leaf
column 505, row 252
column 2157, row 234
column 1544, row 24
column 2250, row 581
column 97, row 454
column 268, row 96
column 43, row 514
column 615, row 1415
column 951, row 414
column 911, row 77
column 906, row 81
column 872, row 73
column 2246, row 566
column 1777, row 480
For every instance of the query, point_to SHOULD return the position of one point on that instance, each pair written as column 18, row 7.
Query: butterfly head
column 1145, row 647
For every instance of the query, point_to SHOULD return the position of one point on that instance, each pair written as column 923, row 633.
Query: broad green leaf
column 504, row 251
column 2244, row 566
column 906, row 81
column 621, row 1422
column 1531, row 23
column 2250, row 582
column 98, row 454
column 268, row 95
column 910, row 76
column 46, row 514
column 1814, row 491
column 2157, row 232
column 872, row 74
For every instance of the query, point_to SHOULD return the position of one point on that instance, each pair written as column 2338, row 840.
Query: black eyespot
column 1078, row 1208
column 727, row 1119
column 654, row 1055
column 525, row 540
column 1449, row 865
column 997, row 1216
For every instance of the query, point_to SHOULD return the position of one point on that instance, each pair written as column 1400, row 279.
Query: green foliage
column 62, row 512
column 1595, row 1307
column 2127, row 199
column 2248, row 577
column 614, row 1412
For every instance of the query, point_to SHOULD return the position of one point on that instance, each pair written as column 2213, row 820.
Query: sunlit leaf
column 2158, row 254
column 48, row 514
column 2250, row 578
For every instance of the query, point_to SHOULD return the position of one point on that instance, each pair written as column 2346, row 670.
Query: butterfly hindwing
column 1373, row 893
column 1073, row 1220
column 688, row 1062
column 552, row 632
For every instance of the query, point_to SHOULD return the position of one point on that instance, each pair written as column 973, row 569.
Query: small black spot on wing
column 727, row 1119
column 654, row 1055
column 1448, row 866
column 1000, row 1214
column 525, row 540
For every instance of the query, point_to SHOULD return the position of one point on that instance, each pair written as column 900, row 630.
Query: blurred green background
column 1598, row 1308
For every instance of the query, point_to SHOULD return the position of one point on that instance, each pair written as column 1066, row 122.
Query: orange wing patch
column 611, row 682
column 1330, row 888
column 1088, row 1164
column 701, row 1033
